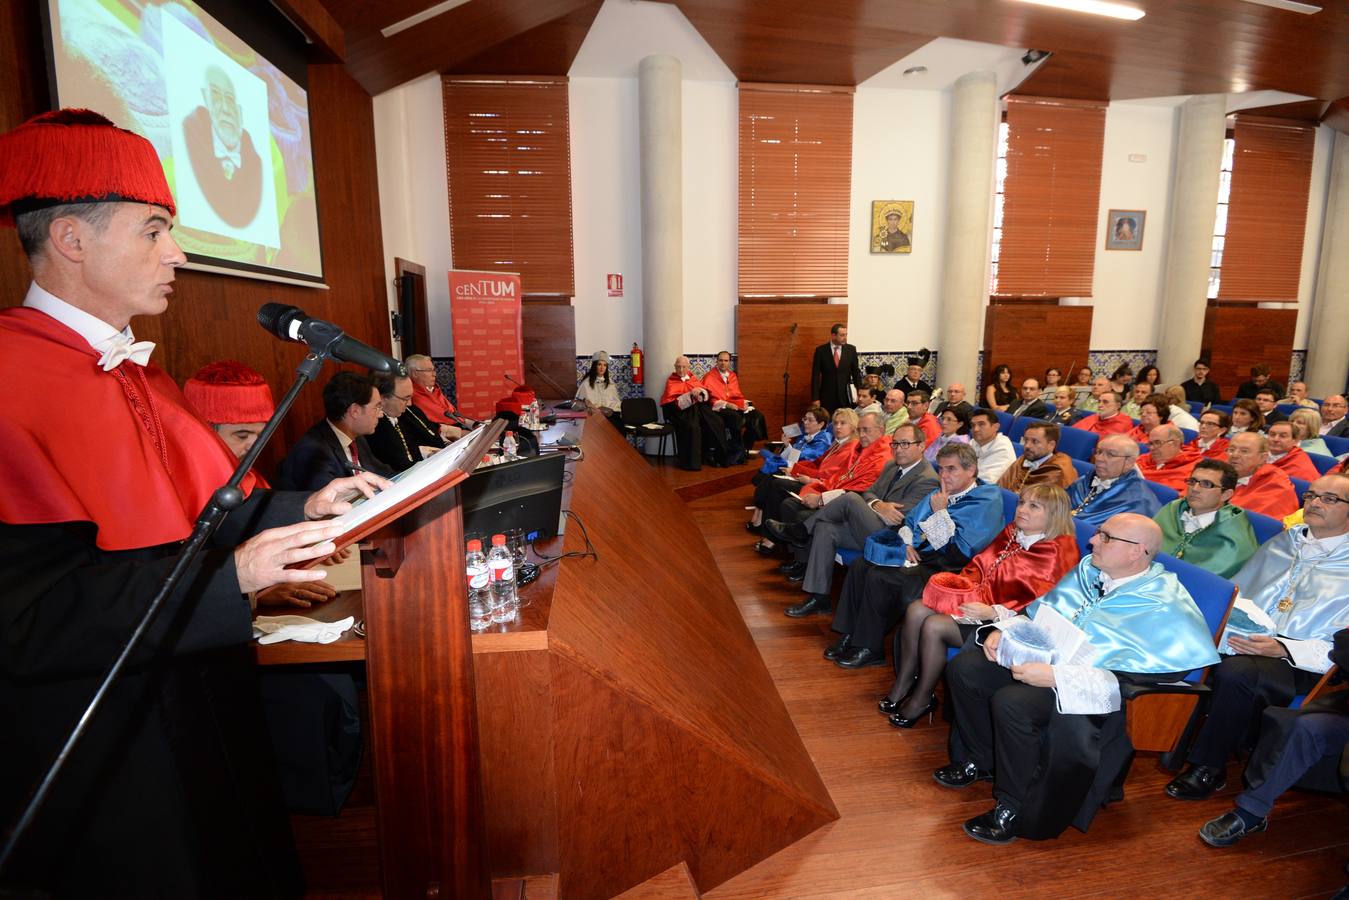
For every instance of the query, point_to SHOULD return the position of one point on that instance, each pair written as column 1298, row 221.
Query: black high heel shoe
column 900, row 722
column 753, row 529
column 889, row 707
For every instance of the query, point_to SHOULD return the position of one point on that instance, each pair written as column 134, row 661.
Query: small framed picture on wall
column 1124, row 229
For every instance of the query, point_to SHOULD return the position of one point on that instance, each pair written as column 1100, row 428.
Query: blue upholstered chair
column 1077, row 443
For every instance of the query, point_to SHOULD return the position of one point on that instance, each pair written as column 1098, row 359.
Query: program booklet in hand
column 414, row 486
column 1246, row 620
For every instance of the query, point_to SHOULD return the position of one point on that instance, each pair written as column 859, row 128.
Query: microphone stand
column 226, row 498
column 787, row 373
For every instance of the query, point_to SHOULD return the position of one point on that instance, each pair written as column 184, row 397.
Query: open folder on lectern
column 418, row 484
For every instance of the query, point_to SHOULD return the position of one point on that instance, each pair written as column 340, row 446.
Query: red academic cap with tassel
column 77, row 156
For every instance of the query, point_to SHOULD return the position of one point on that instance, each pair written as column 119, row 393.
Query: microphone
column 290, row 323
column 511, row 379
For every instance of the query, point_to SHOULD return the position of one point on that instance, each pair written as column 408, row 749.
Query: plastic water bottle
column 509, row 446
column 479, row 588
column 504, row 601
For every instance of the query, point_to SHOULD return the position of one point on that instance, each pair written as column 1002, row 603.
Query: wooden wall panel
column 550, row 344
column 1030, row 338
column 1238, row 337
column 212, row 316
column 763, row 334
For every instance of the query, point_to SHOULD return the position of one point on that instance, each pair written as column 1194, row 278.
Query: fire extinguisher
column 636, row 363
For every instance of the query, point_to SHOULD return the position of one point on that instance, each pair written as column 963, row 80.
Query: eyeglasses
column 904, row 445
column 1114, row 454
column 1106, row 537
column 407, row 399
column 1201, row 483
column 1327, row 499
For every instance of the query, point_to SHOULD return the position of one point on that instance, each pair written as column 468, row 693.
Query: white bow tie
column 122, row 349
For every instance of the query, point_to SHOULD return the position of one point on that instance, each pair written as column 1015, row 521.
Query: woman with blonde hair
column 1307, row 430
column 1028, row 558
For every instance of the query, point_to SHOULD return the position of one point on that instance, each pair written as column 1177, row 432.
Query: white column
column 1194, row 203
column 964, row 286
column 659, row 102
column 1328, row 347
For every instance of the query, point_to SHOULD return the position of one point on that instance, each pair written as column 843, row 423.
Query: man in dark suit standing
column 834, row 369
column 1029, row 406
column 845, row 523
column 336, row 446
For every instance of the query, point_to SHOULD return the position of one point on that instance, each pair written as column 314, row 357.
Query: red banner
column 488, row 340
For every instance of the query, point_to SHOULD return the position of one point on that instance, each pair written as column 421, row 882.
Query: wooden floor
column 899, row 832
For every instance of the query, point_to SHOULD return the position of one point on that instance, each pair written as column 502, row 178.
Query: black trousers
column 699, row 434
column 1293, row 745
column 874, row 599
column 999, row 722
column 732, row 423
column 1242, row 687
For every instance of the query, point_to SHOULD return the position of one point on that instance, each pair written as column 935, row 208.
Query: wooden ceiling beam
column 325, row 35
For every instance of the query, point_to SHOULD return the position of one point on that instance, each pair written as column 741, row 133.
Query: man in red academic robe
column 1285, row 453
column 723, row 390
column 916, row 402
column 1212, row 440
column 430, row 400
column 1169, row 462
column 873, row 451
column 1107, row 419
column 170, row 787
column 700, row 434
column 1261, row 487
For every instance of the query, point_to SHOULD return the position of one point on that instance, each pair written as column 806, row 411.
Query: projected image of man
column 224, row 161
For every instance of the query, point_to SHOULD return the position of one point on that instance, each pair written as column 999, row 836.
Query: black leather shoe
column 1197, row 783
column 794, row 534
column 861, row 658
column 899, row 721
column 960, row 775
column 764, row 547
column 786, row 567
column 997, row 826
column 815, row 603
column 797, row 573
column 1229, row 828
column 841, row 647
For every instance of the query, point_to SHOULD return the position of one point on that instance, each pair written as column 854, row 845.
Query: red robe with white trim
column 1297, row 464
column 728, row 390
column 433, row 404
column 930, row 427
column 1269, row 492
column 860, row 474
column 1217, row 451
column 1174, row 472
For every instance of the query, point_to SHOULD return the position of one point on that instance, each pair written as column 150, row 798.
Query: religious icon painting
column 1124, row 229
column 891, row 226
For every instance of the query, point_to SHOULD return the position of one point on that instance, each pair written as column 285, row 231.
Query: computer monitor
column 523, row 493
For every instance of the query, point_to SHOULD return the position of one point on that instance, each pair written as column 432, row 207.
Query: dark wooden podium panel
column 1237, row 337
column 763, row 333
column 1031, row 337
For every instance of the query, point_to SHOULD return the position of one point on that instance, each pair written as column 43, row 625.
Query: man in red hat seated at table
column 1261, row 487
column 1169, row 462
column 171, row 792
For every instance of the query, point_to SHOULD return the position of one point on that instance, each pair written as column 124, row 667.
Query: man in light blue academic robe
column 1052, row 738
column 942, row 533
column 1301, row 579
column 1114, row 487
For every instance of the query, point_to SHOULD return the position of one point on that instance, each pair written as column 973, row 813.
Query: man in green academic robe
column 1203, row 527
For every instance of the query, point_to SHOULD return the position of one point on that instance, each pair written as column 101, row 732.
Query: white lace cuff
column 938, row 529
column 1086, row 690
column 1002, row 613
column 1312, row 656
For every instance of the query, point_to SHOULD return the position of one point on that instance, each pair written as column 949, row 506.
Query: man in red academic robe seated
column 1212, row 440
column 916, row 402
column 1107, row 419
column 743, row 424
column 1261, row 487
column 431, row 400
column 700, row 434
column 1285, row 453
column 863, row 468
column 1169, row 462
column 173, row 784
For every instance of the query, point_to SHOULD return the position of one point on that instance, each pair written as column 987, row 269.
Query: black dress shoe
column 861, row 658
column 815, row 603
column 899, row 721
column 787, row 567
column 797, row 573
column 960, row 775
column 1229, row 828
column 997, row 826
column 1197, row 783
column 841, row 647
